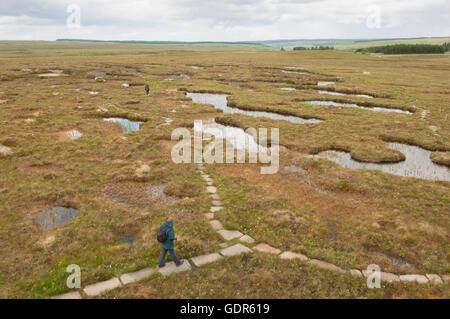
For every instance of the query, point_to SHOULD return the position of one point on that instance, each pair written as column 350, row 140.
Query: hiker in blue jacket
column 168, row 245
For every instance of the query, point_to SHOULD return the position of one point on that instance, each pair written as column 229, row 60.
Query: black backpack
column 161, row 236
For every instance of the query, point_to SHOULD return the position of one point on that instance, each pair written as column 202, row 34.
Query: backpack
column 161, row 235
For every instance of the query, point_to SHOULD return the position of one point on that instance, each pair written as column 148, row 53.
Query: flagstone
column 171, row 268
column 434, row 279
column 230, row 234
column 205, row 259
column 355, row 272
column 209, row 215
column 414, row 278
column 211, row 189
column 247, row 239
column 325, row 265
column 214, row 209
column 101, row 287
column 291, row 255
column 69, row 295
column 384, row 276
column 136, row 276
column 264, row 248
column 235, row 250
column 217, row 225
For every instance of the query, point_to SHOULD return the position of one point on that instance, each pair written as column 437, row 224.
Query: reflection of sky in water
column 220, row 102
column 330, row 92
column 324, row 83
column 376, row 109
column 417, row 164
column 125, row 124
column 288, row 89
column 294, row 168
column 338, row 93
column 295, row 72
column 56, row 216
column 124, row 239
column 234, row 135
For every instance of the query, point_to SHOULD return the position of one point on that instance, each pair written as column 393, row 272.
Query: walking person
column 147, row 89
column 166, row 236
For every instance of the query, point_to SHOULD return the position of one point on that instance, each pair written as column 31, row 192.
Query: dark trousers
column 163, row 257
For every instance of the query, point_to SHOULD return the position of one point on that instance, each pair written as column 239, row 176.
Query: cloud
column 232, row 20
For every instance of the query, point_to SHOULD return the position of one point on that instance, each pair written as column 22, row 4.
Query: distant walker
column 147, row 89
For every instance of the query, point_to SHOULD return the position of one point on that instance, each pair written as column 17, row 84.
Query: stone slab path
column 69, row 295
column 230, row 234
column 101, row 287
column 290, row 255
column 136, row 276
column 247, row 239
column 216, row 225
column 325, row 265
column 385, row 276
column 264, row 248
column 170, row 268
column 414, row 278
column 235, row 250
column 211, row 189
column 205, row 259
column 209, row 215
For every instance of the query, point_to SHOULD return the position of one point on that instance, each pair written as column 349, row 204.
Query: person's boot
column 180, row 263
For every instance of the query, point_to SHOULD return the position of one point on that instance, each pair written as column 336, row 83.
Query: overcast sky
column 222, row 20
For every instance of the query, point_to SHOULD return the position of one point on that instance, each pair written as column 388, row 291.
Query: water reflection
column 375, row 109
column 296, row 72
column 234, row 135
column 219, row 101
column 338, row 93
column 324, row 83
column 125, row 124
column 294, row 168
column 417, row 163
column 56, row 216
column 124, row 239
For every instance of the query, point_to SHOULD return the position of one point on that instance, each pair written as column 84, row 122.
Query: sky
column 222, row 20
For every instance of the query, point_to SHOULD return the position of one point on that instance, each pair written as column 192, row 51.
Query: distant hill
column 289, row 44
column 350, row 44
column 161, row 42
